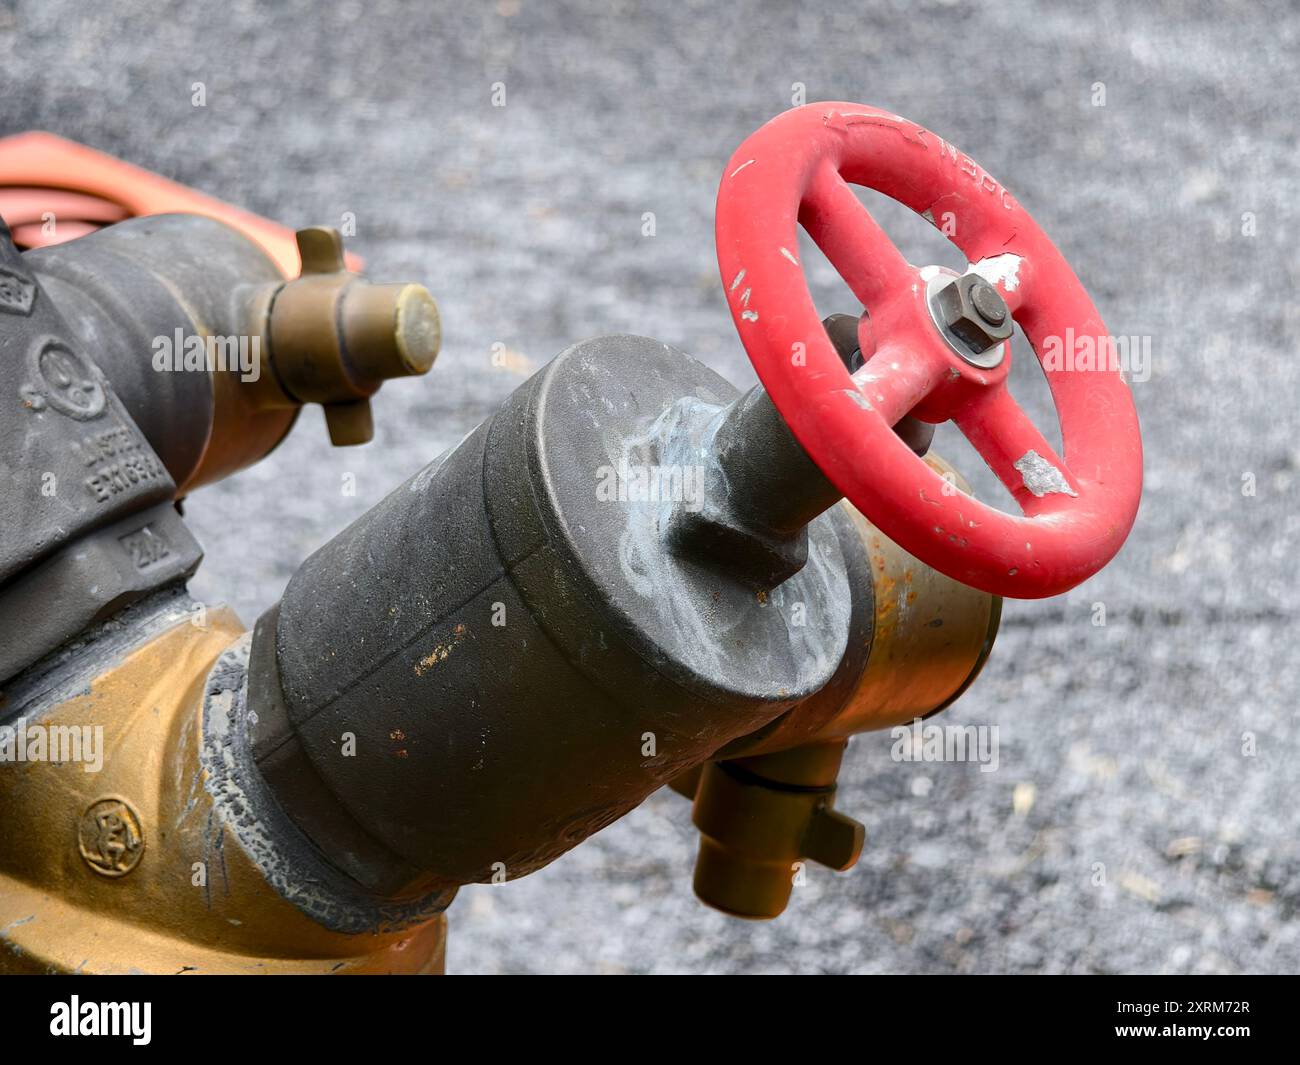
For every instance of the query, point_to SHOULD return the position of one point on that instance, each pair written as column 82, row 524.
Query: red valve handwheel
column 1077, row 507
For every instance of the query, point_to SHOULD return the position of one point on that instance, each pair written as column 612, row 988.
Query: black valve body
column 507, row 654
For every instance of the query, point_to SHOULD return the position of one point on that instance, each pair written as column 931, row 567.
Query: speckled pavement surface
column 1141, row 837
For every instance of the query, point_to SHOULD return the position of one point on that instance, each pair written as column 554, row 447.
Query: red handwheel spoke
column 897, row 377
column 849, row 237
column 999, row 429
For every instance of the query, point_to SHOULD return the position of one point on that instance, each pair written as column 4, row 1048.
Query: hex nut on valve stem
column 973, row 317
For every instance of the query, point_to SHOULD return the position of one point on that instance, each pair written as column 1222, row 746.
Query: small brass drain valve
column 759, row 817
column 335, row 337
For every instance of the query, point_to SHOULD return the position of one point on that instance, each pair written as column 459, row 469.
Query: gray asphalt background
column 1142, row 839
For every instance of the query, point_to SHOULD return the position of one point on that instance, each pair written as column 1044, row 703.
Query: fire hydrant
column 630, row 576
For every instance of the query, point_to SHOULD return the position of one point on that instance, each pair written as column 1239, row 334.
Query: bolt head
column 973, row 312
column 988, row 304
